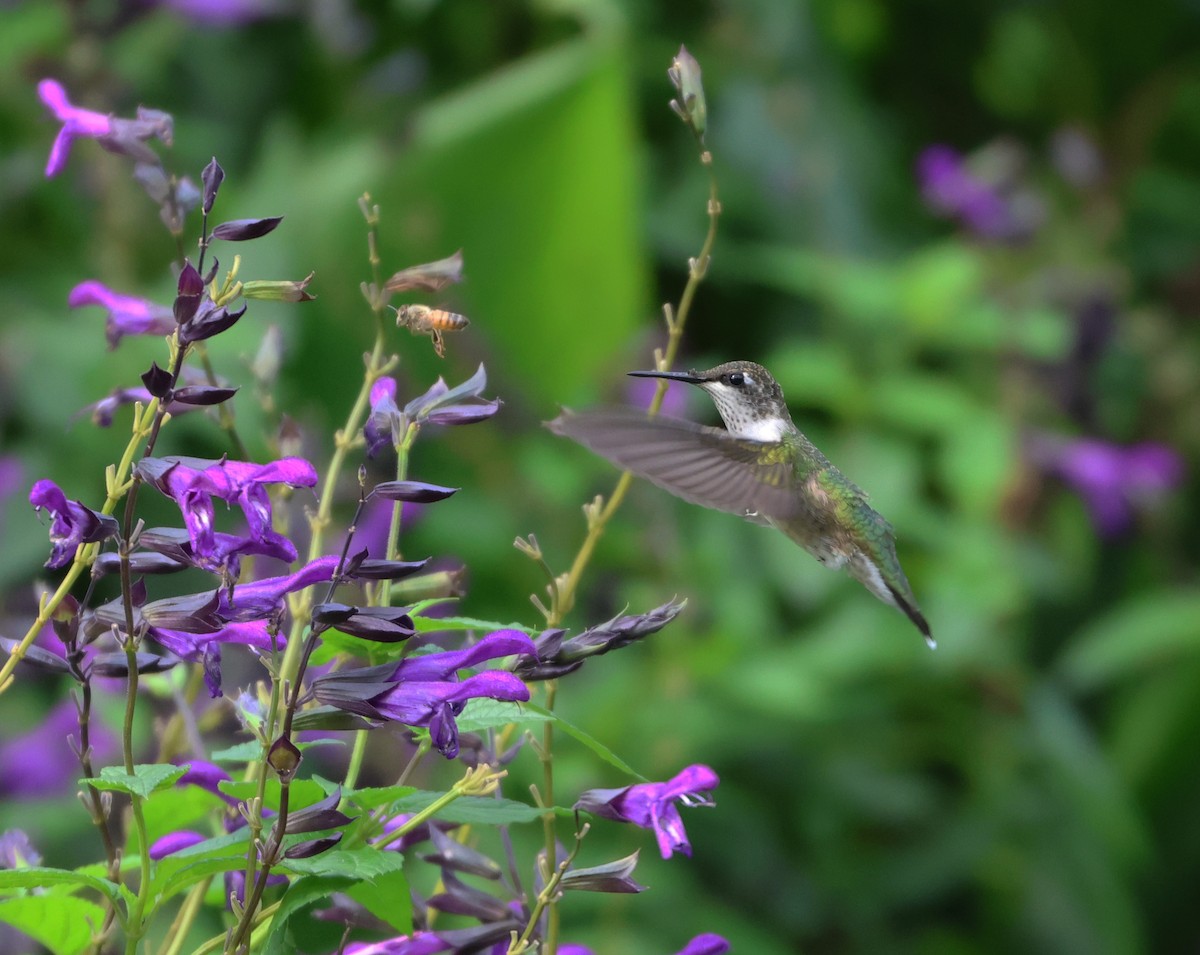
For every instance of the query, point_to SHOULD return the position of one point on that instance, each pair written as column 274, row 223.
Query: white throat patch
column 763, row 429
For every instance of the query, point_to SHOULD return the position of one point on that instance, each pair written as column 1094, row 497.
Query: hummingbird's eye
column 737, row 379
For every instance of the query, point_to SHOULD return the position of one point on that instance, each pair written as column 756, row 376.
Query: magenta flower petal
column 75, row 122
column 127, row 314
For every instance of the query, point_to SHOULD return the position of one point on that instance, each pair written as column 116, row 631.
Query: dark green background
column 1030, row 787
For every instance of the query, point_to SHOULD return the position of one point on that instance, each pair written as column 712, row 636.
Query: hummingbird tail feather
column 914, row 615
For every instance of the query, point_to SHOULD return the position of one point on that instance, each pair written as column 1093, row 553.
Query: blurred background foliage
column 1008, row 395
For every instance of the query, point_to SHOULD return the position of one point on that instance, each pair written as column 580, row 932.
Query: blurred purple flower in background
column 75, row 122
column 640, row 392
column 41, row 763
column 652, row 805
column 1114, row 481
column 991, row 206
column 127, row 314
column 223, row 13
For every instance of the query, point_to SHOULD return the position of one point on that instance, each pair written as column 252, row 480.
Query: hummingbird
column 760, row 466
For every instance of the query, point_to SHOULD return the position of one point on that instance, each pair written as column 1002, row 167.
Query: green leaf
column 590, row 742
column 146, row 778
column 189, row 873
column 428, row 624
column 387, row 897
column 364, row 863
column 304, row 792
column 471, row 809
column 1154, row 630
column 482, row 713
column 300, row 895
column 62, row 923
column 39, row 877
column 247, row 752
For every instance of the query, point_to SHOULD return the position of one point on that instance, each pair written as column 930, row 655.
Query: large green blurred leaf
column 533, row 171
column 1157, row 629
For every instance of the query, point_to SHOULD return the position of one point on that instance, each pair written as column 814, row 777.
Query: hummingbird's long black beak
column 687, row 376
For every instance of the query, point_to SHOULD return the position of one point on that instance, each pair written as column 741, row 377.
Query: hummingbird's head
column 748, row 399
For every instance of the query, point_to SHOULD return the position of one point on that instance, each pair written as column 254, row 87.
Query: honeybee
column 423, row 320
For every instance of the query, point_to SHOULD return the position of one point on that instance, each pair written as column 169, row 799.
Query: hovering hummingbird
column 760, row 466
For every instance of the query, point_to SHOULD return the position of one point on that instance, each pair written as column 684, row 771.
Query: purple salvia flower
column 423, row 691
column 74, row 523
column 261, row 599
column 75, row 122
column 706, row 944
column 125, row 136
column 16, row 851
column 225, row 13
column 127, row 314
column 206, row 647
column 174, row 842
column 652, row 805
column 40, row 763
column 379, row 429
column 952, row 190
column 1112, row 480
column 194, row 483
column 419, row 943
column 640, row 393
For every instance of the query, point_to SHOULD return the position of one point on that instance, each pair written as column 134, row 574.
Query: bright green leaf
column 146, row 778
column 63, row 923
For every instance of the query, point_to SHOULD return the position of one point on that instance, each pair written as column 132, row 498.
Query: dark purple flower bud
column 174, row 842
column 75, row 122
column 481, row 938
column 318, row 816
column 458, row 898
column 37, row 657
column 191, row 613
column 127, row 315
column 284, row 758
column 203, row 395
column 209, row 321
column 385, row 421
column 242, row 230
column 652, row 805
column 691, row 106
column 453, row 855
column 613, row 877
column 314, row 847
column 141, row 563
column 329, row 718
column 430, row 277
column 553, row 651
column 157, row 380
column 380, row 624
column 383, row 570
column 117, row 664
column 416, row 492
column 190, row 289
column 73, row 522
column 212, row 177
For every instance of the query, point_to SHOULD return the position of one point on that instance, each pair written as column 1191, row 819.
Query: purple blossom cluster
column 235, row 546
